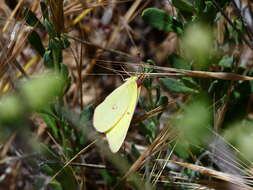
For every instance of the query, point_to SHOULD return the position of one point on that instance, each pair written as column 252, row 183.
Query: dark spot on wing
column 114, row 107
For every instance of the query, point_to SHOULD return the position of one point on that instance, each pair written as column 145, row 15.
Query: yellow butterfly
column 114, row 114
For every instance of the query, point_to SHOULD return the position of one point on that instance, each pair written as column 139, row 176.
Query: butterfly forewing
column 112, row 109
column 117, row 134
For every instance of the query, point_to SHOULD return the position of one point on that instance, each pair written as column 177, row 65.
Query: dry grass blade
column 77, row 7
column 238, row 180
column 6, row 146
column 168, row 156
column 127, row 17
column 11, row 50
column 19, row 5
column 166, row 134
column 149, row 114
column 117, row 52
column 188, row 73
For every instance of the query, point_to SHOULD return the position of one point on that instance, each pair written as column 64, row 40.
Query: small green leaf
column 181, row 150
column 52, row 167
column 65, row 41
column 35, row 41
column 55, row 43
column 251, row 86
column 178, row 62
column 176, row 86
column 48, row 59
column 148, row 69
column 184, row 5
column 86, row 114
column 31, row 19
column 163, row 101
column 200, row 4
column 160, row 20
column 142, row 103
column 57, row 58
column 84, row 124
column 158, row 93
column 190, row 82
column 66, row 77
column 55, row 185
column 147, row 82
column 39, row 182
column 50, row 28
column 149, row 129
column 51, row 123
column 135, row 151
column 107, row 177
column 226, row 61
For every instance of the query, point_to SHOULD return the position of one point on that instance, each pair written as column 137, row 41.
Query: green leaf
column 35, row 41
column 190, row 82
column 66, row 77
column 50, row 121
column 39, row 182
column 31, row 19
column 199, row 4
column 251, row 86
column 135, row 151
column 48, row 59
column 176, row 86
column 148, row 69
column 147, row 83
column 226, row 61
column 57, row 58
column 181, row 150
column 158, row 94
column 55, row 185
column 184, row 5
column 142, row 103
column 163, row 101
column 66, row 177
column 84, row 124
column 178, row 62
column 87, row 113
column 107, row 176
column 149, row 128
column 50, row 28
column 65, row 41
column 160, row 20
column 55, row 43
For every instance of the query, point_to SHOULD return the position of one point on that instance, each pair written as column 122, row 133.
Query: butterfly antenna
column 113, row 70
column 125, row 71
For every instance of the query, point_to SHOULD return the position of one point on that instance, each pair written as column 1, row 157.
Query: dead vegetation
column 57, row 147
